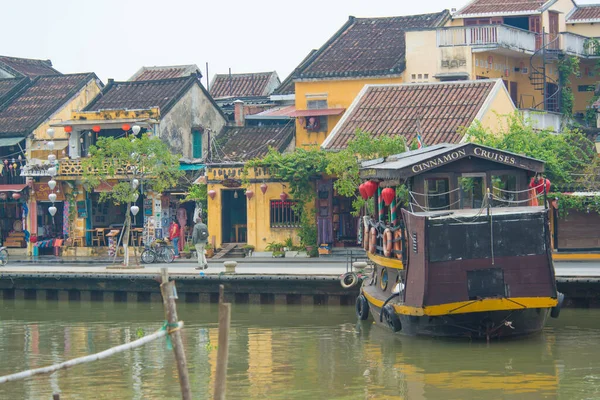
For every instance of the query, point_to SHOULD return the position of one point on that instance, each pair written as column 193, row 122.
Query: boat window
column 472, row 190
column 437, row 193
column 384, row 279
column 504, row 190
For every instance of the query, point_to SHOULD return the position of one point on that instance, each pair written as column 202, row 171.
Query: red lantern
column 363, row 191
column 249, row 194
column 371, row 188
column 263, row 188
column 212, row 194
column 16, row 196
column 283, row 196
column 126, row 127
column 388, row 195
column 68, row 129
column 96, row 128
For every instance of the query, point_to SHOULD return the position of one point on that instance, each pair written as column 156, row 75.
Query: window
column 197, row 144
column 413, row 76
column 316, row 104
column 283, row 214
column 315, row 124
column 586, row 88
column 504, row 188
column 472, row 190
column 425, row 76
column 437, row 196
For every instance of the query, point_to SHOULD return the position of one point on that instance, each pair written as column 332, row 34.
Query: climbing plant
column 567, row 66
column 568, row 202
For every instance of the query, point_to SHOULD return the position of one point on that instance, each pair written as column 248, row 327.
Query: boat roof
column 415, row 162
column 473, row 212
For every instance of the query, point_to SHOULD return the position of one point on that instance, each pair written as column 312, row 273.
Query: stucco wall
column 193, row 110
column 589, row 30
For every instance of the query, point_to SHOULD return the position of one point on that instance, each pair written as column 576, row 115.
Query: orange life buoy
column 398, row 244
column 387, row 242
column 373, row 241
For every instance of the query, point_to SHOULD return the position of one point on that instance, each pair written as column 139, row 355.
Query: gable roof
column 243, row 143
column 436, row 110
column 25, row 67
column 288, row 86
column 9, row 86
column 243, row 85
column 584, row 13
column 35, row 102
column 502, row 7
column 166, row 72
column 367, row 47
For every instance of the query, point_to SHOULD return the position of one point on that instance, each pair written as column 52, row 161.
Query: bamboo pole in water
column 169, row 294
column 93, row 357
column 223, row 349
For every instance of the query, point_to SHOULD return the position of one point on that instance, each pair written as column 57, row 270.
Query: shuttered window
column 197, row 144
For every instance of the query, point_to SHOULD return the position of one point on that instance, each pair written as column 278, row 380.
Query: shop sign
column 231, row 183
column 42, row 190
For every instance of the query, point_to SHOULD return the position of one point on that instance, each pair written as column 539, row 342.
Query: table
column 238, row 228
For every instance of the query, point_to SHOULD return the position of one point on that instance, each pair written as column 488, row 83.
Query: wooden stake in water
column 223, row 349
column 169, row 294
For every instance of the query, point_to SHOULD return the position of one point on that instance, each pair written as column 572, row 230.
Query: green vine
column 567, row 66
column 569, row 202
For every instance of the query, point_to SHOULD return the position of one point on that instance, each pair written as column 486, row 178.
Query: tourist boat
column 468, row 254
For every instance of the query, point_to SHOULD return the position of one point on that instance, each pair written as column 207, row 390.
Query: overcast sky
column 114, row 38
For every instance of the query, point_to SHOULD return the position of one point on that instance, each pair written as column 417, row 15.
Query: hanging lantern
column 50, row 132
column 52, row 171
column 19, row 158
column 96, row 128
column 2, row 196
column 5, row 162
column 283, row 196
column 135, row 183
column 249, row 194
column 50, row 145
column 51, row 184
column 51, row 158
column 263, row 188
column 135, row 129
column 52, row 197
column 126, row 127
column 135, row 196
column 10, row 166
column 212, row 194
column 363, row 191
column 371, row 188
column 16, row 196
column 134, row 210
column 68, row 129
column 388, row 195
column 52, row 210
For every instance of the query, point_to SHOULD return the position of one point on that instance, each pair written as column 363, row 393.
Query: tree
column 133, row 161
column 565, row 154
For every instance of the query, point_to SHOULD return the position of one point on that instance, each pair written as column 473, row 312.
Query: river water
column 288, row 352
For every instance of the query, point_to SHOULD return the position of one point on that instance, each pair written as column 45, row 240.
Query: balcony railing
column 580, row 46
column 487, row 36
column 73, row 168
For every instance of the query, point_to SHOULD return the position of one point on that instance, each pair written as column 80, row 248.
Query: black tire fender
column 391, row 318
column 362, row 307
column 555, row 311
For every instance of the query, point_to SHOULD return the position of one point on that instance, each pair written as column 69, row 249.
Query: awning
column 317, row 112
column 191, row 167
column 104, row 187
column 13, row 188
column 10, row 141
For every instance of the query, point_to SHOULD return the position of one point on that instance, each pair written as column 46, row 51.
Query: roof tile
column 582, row 13
column 167, row 72
column 27, row 67
column 501, row 7
column 241, row 85
column 248, row 142
column 439, row 109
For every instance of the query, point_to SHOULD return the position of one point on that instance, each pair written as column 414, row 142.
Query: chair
column 78, row 241
column 136, row 236
column 98, row 236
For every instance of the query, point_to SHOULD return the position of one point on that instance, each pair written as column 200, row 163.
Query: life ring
column 398, row 244
column 362, row 307
column 387, row 242
column 348, row 280
column 373, row 240
column 391, row 318
column 555, row 311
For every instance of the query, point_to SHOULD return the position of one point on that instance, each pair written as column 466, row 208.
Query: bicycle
column 3, row 256
column 159, row 251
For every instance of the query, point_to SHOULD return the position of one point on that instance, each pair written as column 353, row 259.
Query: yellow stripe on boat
column 385, row 261
column 575, row 256
column 464, row 307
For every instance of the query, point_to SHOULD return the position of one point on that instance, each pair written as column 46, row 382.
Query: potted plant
column 288, row 244
column 187, row 251
column 248, row 249
column 308, row 233
column 209, row 250
column 278, row 254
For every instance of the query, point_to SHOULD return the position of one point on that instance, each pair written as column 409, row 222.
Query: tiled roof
column 500, row 7
column 141, row 95
column 240, row 85
column 368, row 46
column 248, row 142
column 288, row 86
column 439, row 108
column 20, row 67
column 166, row 72
column 585, row 13
column 39, row 100
column 8, row 87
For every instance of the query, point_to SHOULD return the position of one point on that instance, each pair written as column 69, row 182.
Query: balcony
column 488, row 37
column 580, row 46
column 69, row 169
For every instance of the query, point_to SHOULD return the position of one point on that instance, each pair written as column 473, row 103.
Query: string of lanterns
column 52, row 171
column 250, row 193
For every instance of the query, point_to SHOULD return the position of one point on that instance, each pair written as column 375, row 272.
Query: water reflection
column 289, row 352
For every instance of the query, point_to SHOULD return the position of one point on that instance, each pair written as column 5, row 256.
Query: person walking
column 174, row 236
column 200, row 238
